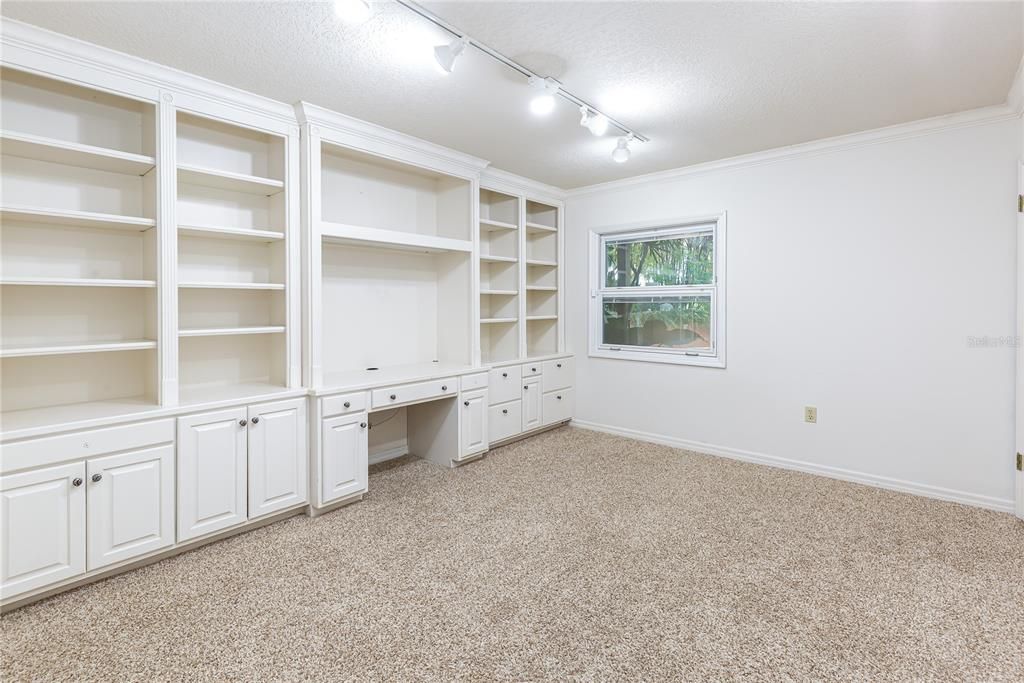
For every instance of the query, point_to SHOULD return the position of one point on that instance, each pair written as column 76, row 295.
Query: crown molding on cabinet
column 56, row 55
column 510, row 183
column 355, row 133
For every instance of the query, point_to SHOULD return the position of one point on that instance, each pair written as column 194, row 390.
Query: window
column 658, row 293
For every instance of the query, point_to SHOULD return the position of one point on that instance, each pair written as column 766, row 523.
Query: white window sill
column 660, row 357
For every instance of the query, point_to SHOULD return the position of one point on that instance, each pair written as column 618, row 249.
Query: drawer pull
column 77, row 481
column 392, row 397
column 363, row 425
column 558, row 365
column 242, row 423
column 465, row 403
column 533, row 369
column 504, row 374
column 97, row 477
column 256, row 420
column 444, row 387
column 347, row 404
column 526, row 387
column 559, row 398
column 504, row 411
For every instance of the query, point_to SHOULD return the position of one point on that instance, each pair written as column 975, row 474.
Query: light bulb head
column 620, row 154
column 543, row 103
column 352, row 11
column 595, row 122
column 447, row 54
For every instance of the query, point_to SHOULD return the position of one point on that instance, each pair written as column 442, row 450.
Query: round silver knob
column 533, row 369
column 242, row 423
column 255, row 420
column 363, row 425
column 347, row 404
column 465, row 403
column 525, row 387
column 444, row 387
column 504, row 411
column 392, row 397
column 504, row 374
column 77, row 481
column 559, row 398
column 558, row 365
column 97, row 477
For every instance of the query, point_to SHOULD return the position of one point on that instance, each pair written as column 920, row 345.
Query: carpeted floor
column 572, row 555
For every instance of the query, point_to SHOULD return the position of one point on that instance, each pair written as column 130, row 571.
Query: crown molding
column 1015, row 98
column 510, row 183
column 39, row 50
column 356, row 133
column 901, row 131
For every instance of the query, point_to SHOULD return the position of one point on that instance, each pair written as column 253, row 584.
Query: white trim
column 900, row 131
column 888, row 483
column 388, row 451
column 1015, row 98
column 596, row 289
column 510, row 183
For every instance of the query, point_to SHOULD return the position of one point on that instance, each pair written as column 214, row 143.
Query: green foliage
column 677, row 261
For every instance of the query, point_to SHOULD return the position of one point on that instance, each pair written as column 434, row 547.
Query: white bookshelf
column 500, row 286
column 542, row 296
column 232, row 258
column 78, row 277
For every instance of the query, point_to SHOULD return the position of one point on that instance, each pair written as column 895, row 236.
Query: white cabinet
column 505, row 384
column 473, row 422
column 531, row 402
column 504, row 421
column 558, row 374
column 344, row 444
column 42, row 521
column 211, row 471
column 130, row 504
column 557, row 406
column 277, row 456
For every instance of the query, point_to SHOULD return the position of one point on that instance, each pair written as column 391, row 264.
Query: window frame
column 712, row 358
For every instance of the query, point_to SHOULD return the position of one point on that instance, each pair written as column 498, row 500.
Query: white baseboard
column 937, row 492
column 388, row 451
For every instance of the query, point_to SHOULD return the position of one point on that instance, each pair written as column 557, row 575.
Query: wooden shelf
column 230, row 285
column 83, row 219
column 536, row 288
column 228, row 180
column 228, row 331
column 486, row 258
column 76, row 282
column 539, row 228
column 541, row 317
column 357, row 235
column 68, row 348
column 497, row 321
column 541, row 262
column 74, row 154
column 500, row 292
column 219, row 232
column 487, row 225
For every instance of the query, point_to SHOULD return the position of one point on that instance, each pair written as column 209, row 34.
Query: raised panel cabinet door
column 531, row 403
column 344, row 445
column 211, row 472
column 130, row 504
column 42, row 527
column 473, row 422
column 277, row 456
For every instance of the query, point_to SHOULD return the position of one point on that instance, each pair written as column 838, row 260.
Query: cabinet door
column 557, row 406
column 277, row 456
column 42, row 518
column 130, row 503
column 473, row 422
column 504, row 421
column 343, row 456
column 531, row 403
column 505, row 384
column 211, row 472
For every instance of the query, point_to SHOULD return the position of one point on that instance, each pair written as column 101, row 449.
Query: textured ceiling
column 704, row 81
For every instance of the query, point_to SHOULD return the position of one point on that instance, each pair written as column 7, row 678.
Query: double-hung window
column 658, row 292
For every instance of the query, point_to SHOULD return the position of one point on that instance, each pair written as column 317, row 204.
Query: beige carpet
column 572, row 555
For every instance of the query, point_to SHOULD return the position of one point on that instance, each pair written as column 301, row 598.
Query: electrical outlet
column 810, row 414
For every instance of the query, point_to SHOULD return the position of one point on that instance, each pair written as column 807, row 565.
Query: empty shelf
column 541, row 317
column 230, row 285
column 497, row 321
column 537, row 288
column 227, row 331
column 340, row 233
column 219, row 232
column 488, row 225
column 84, row 219
column 75, row 282
column 228, row 180
column 541, row 262
column 500, row 292
column 75, row 154
column 67, row 348
column 539, row 228
column 486, row 258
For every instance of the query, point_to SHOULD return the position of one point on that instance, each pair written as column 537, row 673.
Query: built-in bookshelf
column 232, row 256
column 541, row 251
column 78, row 245
column 395, row 264
column 500, row 236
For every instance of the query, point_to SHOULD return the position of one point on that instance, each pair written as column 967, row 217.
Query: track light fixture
column 620, row 154
column 352, row 11
column 447, row 54
column 595, row 122
column 543, row 103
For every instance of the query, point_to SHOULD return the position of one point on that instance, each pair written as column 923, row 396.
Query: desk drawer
column 411, row 393
column 505, row 384
column 505, row 420
column 478, row 381
column 85, row 444
column 343, row 404
column 558, row 374
column 557, row 406
column 532, row 369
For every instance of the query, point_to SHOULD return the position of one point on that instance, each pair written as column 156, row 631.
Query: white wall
column 856, row 277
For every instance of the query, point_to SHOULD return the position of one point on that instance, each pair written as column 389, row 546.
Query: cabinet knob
column 504, row 374
column 444, row 387
column 77, row 481
column 242, row 423
column 363, row 425
column 392, row 397
column 97, row 477
column 558, row 365
column 533, row 369
column 465, row 403
column 504, row 411
column 559, row 398
column 256, row 420
column 525, row 387
column 347, row 404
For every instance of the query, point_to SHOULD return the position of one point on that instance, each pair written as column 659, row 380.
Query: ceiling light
column 595, row 122
column 447, row 54
column 621, row 152
column 352, row 11
column 543, row 103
